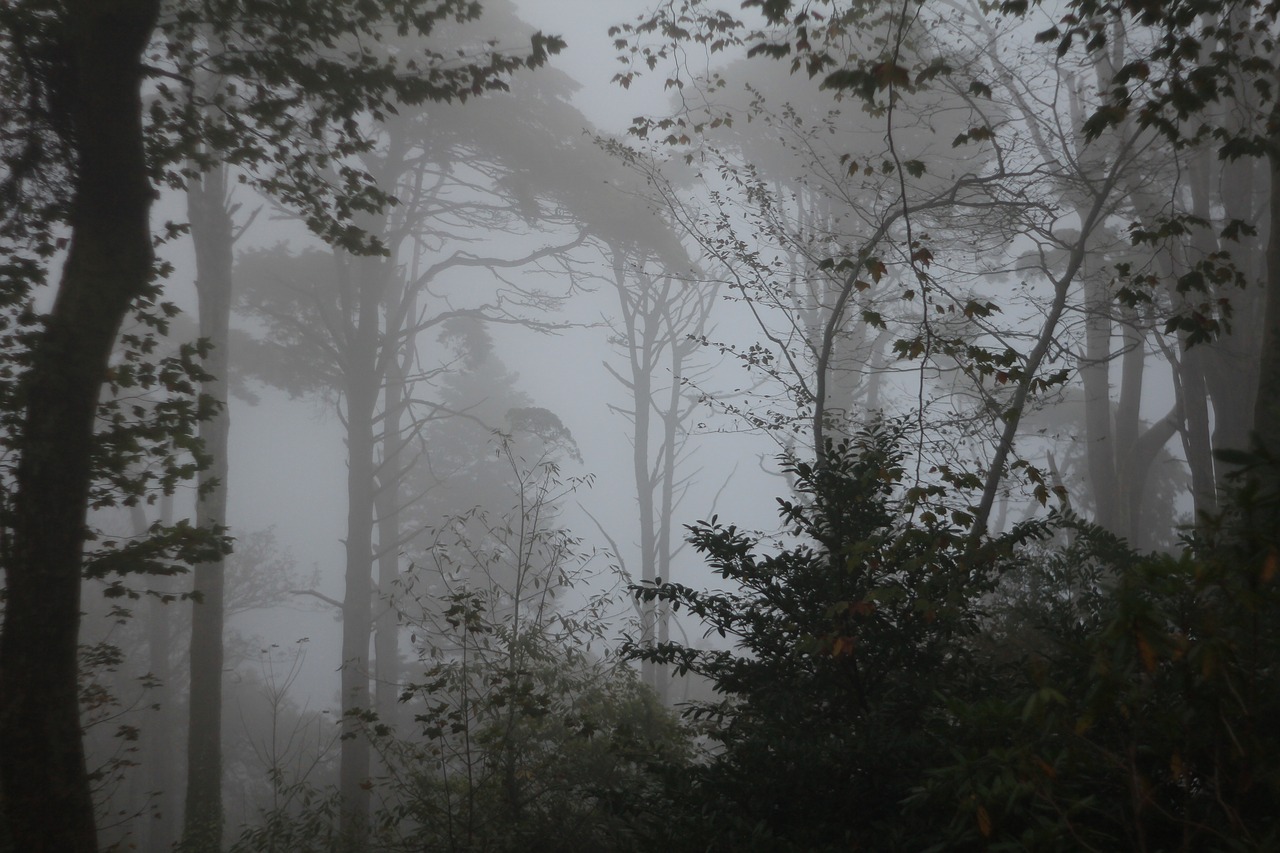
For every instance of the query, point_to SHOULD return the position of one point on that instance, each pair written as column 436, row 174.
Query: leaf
column 1148, row 654
column 1270, row 566
column 984, row 822
column 980, row 89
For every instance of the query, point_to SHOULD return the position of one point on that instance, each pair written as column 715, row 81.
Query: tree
column 1120, row 710
column 1176, row 85
column 74, row 151
column 213, row 236
column 846, row 642
column 663, row 320
column 1206, row 82
column 84, row 80
column 527, row 738
column 349, row 327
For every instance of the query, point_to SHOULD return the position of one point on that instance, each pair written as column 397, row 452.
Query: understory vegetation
column 880, row 682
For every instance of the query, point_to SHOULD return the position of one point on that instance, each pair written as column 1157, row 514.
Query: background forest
column 394, row 396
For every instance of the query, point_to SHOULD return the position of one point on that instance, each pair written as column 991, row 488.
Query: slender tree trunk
column 46, row 792
column 362, row 388
column 643, row 397
column 386, row 624
column 211, row 232
column 666, row 511
column 1095, row 372
column 1130, row 481
column 159, row 741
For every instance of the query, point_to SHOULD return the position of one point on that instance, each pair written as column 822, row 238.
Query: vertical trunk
column 670, row 446
column 1227, row 366
column 1095, row 374
column 1235, row 359
column 645, row 492
column 1266, row 418
column 362, row 387
column 162, row 780
column 1130, row 481
column 211, row 233
column 386, row 625
column 42, row 767
column 1196, row 440
column 1193, row 364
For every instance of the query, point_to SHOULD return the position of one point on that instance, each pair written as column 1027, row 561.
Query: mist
column 568, row 426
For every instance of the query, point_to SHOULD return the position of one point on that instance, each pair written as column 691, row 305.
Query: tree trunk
column 211, row 232
column 158, row 735
column 1266, row 417
column 389, row 476
column 1095, row 374
column 362, row 387
column 42, row 767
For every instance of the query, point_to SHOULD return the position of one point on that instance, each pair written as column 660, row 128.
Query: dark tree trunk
column 42, row 767
column 211, row 232
column 1266, row 417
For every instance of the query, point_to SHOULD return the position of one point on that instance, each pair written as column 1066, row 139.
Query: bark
column 388, row 504
column 1130, row 479
column 1095, row 369
column 1231, row 363
column 42, row 767
column 642, row 351
column 1266, row 417
column 211, row 232
column 1197, row 443
column 363, row 381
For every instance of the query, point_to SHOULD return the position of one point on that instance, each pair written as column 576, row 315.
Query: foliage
column 524, row 736
column 528, row 739
column 845, row 642
column 1134, row 714
column 888, row 690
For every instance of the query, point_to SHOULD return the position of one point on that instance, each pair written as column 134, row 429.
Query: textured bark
column 211, row 232
column 42, row 768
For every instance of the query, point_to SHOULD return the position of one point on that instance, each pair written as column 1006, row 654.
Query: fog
column 471, row 424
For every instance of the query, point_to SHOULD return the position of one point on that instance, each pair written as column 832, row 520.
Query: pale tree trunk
column 46, row 793
column 659, row 315
column 671, row 417
column 211, row 233
column 363, row 280
column 388, row 504
column 642, row 390
column 369, row 348
column 1095, row 369
column 159, row 742
column 1130, row 482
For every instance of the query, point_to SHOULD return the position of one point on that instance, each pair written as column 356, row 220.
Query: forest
column 697, row 425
